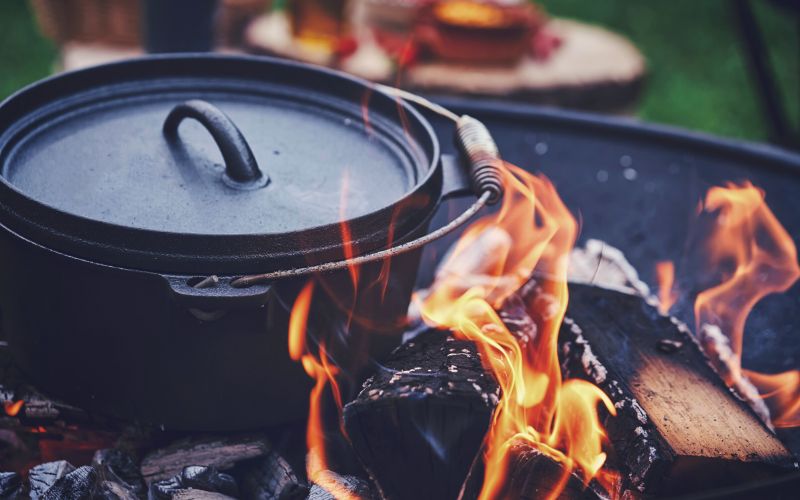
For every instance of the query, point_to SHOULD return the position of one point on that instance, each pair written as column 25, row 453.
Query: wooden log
column 419, row 422
column 196, row 479
column 341, row 486
column 220, row 452
column 678, row 427
column 270, row 477
column 531, row 475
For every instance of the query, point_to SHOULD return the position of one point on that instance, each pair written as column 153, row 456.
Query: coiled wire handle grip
column 241, row 169
column 483, row 156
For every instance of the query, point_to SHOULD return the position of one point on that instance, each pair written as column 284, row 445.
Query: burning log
column 222, row 453
column 532, row 474
column 419, row 422
column 678, row 428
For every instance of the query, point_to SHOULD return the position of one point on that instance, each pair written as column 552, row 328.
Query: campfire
column 533, row 363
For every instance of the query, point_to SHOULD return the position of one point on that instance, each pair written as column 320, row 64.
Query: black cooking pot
column 123, row 235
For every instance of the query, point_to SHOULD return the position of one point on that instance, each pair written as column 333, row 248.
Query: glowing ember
column 13, row 408
column 665, row 274
column 559, row 418
column 755, row 256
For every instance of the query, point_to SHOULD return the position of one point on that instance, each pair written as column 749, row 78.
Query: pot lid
column 109, row 160
column 254, row 147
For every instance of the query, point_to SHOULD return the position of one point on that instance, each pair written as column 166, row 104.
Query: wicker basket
column 104, row 21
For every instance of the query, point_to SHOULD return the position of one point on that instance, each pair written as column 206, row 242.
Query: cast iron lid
column 258, row 164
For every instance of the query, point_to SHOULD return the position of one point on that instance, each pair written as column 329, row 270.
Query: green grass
column 25, row 56
column 697, row 76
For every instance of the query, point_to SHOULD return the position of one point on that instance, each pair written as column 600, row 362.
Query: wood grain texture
column 678, row 428
column 222, row 453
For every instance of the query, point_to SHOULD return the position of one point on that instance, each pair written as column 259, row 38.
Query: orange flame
column 347, row 237
column 665, row 276
column 324, row 373
column 13, row 408
column 757, row 257
column 560, row 418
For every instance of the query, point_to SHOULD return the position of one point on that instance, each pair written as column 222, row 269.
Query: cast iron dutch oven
column 134, row 195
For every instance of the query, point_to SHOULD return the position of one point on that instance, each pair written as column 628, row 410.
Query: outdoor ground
column 697, row 76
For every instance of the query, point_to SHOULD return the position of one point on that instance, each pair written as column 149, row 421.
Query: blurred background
column 725, row 67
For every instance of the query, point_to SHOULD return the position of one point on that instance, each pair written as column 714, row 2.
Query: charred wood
column 419, row 422
column 341, row 486
column 191, row 494
column 80, row 484
column 531, row 475
column 195, row 479
column 42, row 477
column 109, row 490
column 11, row 486
column 219, row 452
column 118, row 471
column 678, row 428
column 270, row 478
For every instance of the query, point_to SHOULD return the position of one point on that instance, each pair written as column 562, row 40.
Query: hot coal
column 419, row 421
column 197, row 478
column 10, row 486
column 270, row 477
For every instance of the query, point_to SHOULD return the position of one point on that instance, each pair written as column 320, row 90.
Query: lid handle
column 241, row 169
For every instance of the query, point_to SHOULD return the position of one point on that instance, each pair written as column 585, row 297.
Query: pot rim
column 184, row 252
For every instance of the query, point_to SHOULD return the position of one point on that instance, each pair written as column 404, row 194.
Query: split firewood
column 220, row 452
column 419, row 422
column 678, row 428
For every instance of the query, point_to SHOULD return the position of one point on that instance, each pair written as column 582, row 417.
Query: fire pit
column 506, row 390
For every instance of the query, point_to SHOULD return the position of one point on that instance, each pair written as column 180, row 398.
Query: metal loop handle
column 241, row 169
column 370, row 257
column 485, row 168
